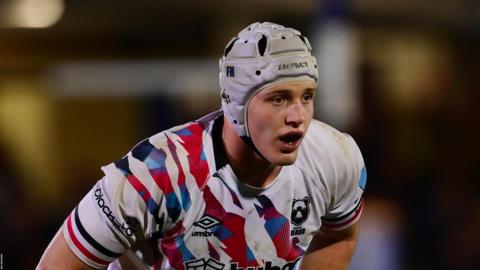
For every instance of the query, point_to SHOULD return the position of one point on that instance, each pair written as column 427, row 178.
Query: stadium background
column 82, row 81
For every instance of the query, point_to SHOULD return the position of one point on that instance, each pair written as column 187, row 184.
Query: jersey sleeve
column 124, row 207
column 346, row 190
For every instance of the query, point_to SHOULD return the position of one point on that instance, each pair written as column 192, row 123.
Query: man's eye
column 307, row 97
column 277, row 100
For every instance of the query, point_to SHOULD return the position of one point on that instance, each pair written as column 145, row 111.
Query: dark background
column 78, row 89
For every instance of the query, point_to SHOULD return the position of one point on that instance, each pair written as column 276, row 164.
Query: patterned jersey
column 174, row 202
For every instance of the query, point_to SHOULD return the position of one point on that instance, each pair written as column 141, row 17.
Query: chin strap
column 248, row 141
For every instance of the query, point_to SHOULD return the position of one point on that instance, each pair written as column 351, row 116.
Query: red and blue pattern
column 278, row 228
column 152, row 206
column 154, row 159
column 174, row 247
column 231, row 231
column 173, row 244
column 192, row 137
column 182, row 185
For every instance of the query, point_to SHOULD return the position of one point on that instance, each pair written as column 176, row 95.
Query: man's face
column 278, row 118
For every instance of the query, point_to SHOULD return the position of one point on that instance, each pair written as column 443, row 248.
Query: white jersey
column 174, row 202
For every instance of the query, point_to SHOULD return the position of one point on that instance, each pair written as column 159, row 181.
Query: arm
column 110, row 219
column 59, row 256
column 331, row 249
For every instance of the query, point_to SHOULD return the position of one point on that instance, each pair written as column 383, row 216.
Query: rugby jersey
column 174, row 202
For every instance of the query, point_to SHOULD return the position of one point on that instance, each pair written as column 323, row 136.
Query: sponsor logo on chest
column 211, row 264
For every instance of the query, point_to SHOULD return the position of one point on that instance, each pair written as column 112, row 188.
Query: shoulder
column 191, row 135
column 183, row 145
column 322, row 139
column 328, row 151
column 165, row 155
column 163, row 169
column 183, row 149
column 182, row 140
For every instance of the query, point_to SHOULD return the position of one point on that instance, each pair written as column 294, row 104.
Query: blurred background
column 81, row 82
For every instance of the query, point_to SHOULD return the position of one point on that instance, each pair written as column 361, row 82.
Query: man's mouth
column 290, row 141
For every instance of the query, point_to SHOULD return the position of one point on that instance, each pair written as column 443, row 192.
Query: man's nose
column 295, row 114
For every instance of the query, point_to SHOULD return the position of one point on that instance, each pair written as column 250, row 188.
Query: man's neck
column 250, row 168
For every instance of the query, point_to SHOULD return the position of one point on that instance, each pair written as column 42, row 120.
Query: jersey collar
column 221, row 159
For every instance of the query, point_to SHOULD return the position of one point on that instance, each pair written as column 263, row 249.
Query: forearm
column 331, row 250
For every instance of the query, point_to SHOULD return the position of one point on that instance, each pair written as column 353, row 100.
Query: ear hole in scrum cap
column 262, row 45
column 230, row 46
column 304, row 41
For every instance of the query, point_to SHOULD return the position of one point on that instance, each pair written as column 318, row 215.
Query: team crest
column 300, row 210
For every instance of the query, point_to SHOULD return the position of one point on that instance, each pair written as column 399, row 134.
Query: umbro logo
column 206, row 223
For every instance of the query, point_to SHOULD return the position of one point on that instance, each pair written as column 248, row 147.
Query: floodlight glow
column 32, row 13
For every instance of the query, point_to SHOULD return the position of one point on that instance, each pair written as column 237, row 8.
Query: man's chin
column 284, row 159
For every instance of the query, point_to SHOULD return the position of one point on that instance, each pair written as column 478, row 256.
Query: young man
column 257, row 185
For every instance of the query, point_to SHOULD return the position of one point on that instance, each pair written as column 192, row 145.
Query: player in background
column 259, row 184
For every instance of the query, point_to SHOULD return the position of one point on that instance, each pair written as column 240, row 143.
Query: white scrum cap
column 261, row 54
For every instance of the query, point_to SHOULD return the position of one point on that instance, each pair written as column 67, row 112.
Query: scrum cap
column 261, row 54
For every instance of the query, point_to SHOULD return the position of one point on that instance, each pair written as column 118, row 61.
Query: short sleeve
column 346, row 204
column 122, row 208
